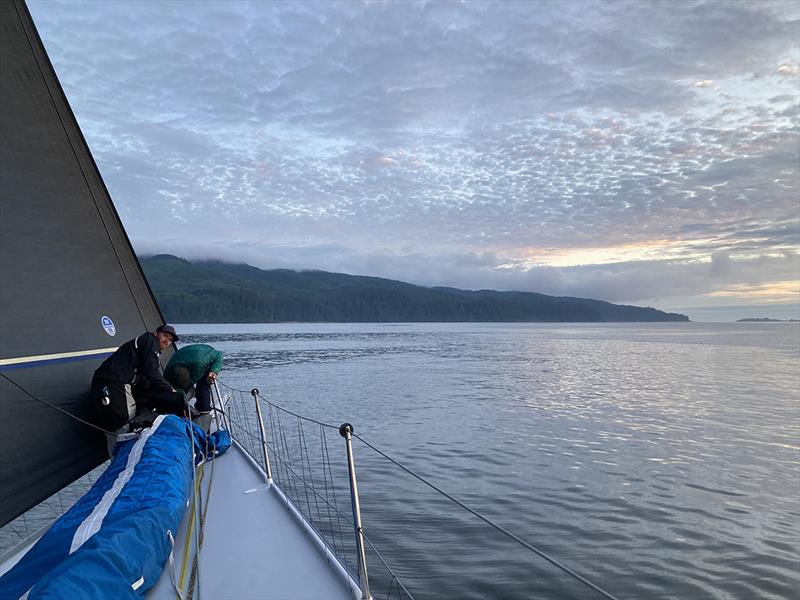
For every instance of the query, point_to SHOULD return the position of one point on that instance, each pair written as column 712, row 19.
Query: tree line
column 218, row 292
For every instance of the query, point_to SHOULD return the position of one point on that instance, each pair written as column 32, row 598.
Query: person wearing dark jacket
column 195, row 364
column 135, row 362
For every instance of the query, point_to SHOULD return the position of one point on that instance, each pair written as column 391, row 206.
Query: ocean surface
column 656, row 460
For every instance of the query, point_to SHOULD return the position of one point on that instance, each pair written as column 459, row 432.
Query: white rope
column 172, row 565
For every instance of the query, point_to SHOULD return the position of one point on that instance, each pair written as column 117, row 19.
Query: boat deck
column 253, row 547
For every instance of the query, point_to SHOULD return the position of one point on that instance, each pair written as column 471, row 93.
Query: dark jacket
column 134, row 360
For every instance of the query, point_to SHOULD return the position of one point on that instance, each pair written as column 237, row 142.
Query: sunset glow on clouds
column 643, row 153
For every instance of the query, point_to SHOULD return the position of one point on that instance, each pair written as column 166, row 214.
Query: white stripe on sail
column 94, row 521
column 26, row 359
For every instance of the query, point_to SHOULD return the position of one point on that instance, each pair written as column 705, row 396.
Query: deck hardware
column 346, row 431
column 267, row 466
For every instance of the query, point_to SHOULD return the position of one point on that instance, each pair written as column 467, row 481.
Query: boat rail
column 295, row 455
column 314, row 489
column 314, row 486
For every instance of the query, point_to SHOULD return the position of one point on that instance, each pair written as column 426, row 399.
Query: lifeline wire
column 66, row 412
column 486, row 520
column 58, row 408
column 286, row 410
column 395, row 578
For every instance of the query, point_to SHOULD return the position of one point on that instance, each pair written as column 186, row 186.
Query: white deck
column 253, row 546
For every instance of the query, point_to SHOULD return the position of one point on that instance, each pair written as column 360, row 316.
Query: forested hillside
column 217, row 292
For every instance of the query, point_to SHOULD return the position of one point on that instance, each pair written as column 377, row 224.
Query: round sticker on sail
column 108, row 325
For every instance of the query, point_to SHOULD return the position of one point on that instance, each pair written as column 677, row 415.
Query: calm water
column 657, row 460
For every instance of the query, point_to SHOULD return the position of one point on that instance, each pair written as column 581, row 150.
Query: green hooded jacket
column 199, row 359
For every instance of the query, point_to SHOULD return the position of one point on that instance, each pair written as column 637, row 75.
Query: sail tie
column 171, row 539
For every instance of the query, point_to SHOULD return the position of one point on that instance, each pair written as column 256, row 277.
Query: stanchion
column 267, row 466
column 346, row 431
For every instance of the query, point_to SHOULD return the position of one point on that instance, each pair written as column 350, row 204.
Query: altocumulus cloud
column 612, row 150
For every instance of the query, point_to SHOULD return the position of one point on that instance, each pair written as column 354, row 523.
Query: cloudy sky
column 640, row 153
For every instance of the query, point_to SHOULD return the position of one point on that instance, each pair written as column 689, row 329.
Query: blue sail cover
column 114, row 542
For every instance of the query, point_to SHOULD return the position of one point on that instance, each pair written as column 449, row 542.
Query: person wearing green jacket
column 195, row 365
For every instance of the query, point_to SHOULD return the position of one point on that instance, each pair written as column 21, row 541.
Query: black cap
column 168, row 329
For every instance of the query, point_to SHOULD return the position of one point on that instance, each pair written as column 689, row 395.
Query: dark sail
column 69, row 276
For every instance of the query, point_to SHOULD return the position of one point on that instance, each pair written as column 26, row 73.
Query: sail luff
column 139, row 286
column 71, row 281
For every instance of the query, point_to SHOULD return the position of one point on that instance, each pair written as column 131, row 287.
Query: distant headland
column 218, row 292
column 766, row 320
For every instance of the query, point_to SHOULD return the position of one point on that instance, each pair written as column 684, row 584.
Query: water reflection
column 660, row 460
